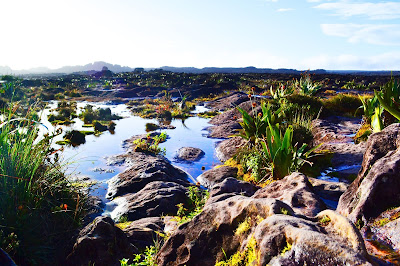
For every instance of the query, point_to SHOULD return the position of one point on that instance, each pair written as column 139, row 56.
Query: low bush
column 341, row 104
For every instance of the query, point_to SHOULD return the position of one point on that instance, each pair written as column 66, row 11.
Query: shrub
column 341, row 104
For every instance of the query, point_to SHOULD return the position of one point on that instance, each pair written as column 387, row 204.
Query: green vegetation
column 90, row 115
column 147, row 258
column 324, row 221
column 39, row 207
column 250, row 256
column 64, row 113
column 389, row 97
column 287, row 248
column 196, row 200
column 271, row 155
column 150, row 144
column 342, row 104
column 305, row 86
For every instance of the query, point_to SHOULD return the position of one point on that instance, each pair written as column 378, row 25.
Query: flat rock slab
column 228, row 101
column 189, row 154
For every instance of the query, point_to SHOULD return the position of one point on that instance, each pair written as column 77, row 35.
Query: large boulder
column 257, row 231
column 296, row 191
column 376, row 192
column 100, row 243
column 379, row 144
column 376, row 186
column 286, row 240
column 145, row 168
column 155, row 199
column 227, row 148
column 211, row 177
column 189, row 154
column 206, row 238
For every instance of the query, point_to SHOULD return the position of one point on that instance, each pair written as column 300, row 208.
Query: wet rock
column 225, row 130
column 155, row 199
column 227, row 148
column 296, row 191
column 142, row 233
column 211, row 177
column 376, row 192
column 144, row 169
column 189, row 154
column 203, row 240
column 336, row 135
column 328, row 191
column 100, row 243
column 227, row 102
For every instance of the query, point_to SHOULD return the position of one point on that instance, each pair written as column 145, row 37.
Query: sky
column 299, row 34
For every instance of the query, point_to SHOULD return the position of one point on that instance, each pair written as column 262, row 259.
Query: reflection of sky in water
column 84, row 158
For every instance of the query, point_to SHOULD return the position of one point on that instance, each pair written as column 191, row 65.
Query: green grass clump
column 196, row 200
column 39, row 209
column 342, row 104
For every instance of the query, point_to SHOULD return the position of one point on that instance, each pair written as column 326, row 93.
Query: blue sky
column 301, row 34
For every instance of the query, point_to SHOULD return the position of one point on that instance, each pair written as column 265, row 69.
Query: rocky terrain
column 293, row 221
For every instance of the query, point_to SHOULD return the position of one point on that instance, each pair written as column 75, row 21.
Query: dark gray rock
column 189, row 154
column 211, row 177
column 142, row 233
column 100, row 243
column 155, row 199
column 145, row 168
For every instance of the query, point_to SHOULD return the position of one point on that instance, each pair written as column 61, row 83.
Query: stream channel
column 90, row 159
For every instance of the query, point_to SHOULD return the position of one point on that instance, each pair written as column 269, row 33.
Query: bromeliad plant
column 282, row 91
column 305, row 86
column 389, row 97
column 281, row 155
column 372, row 113
column 254, row 126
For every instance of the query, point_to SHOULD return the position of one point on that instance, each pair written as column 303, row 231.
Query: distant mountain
column 249, row 69
column 98, row 66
